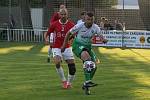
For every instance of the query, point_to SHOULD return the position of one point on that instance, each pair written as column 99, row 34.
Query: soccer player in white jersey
column 82, row 47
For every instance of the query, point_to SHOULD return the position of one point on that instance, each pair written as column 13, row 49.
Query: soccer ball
column 89, row 65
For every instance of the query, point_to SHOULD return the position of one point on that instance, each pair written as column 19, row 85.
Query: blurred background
column 29, row 14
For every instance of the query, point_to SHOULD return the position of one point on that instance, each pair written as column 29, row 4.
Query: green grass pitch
column 25, row 74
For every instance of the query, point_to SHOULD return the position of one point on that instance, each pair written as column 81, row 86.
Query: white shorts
column 67, row 54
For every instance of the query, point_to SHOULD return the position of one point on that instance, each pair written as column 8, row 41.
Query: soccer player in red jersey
column 56, row 16
column 59, row 29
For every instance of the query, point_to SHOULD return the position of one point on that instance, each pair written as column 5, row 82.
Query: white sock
column 60, row 72
column 70, row 78
column 49, row 51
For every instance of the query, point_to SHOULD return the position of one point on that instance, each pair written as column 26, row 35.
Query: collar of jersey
column 62, row 23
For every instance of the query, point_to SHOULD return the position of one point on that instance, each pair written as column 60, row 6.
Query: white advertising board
column 133, row 39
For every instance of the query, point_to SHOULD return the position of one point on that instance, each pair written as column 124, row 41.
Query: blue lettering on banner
column 136, row 33
column 127, row 38
column 147, row 33
column 133, row 37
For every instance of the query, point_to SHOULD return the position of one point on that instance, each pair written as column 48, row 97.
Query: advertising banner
column 133, row 39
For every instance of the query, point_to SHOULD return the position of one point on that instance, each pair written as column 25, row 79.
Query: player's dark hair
column 90, row 14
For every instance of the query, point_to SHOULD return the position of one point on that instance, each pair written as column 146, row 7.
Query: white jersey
column 79, row 21
column 84, row 34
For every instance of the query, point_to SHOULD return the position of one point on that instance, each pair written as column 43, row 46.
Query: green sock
column 93, row 72
column 87, row 75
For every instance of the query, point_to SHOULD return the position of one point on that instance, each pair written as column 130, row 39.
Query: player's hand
column 62, row 49
column 46, row 41
column 51, row 44
column 105, row 41
column 97, row 61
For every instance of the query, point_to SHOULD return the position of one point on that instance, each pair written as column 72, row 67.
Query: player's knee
column 57, row 66
column 85, row 56
column 72, row 69
column 57, row 59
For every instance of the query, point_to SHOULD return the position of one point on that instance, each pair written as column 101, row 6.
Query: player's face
column 89, row 21
column 64, row 14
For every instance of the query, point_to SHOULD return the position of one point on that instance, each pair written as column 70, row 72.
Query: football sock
column 87, row 75
column 93, row 72
column 60, row 72
column 49, row 51
column 70, row 78
column 89, row 70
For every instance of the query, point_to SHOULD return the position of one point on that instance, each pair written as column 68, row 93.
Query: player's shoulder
column 55, row 14
column 79, row 21
column 80, row 24
column 71, row 22
column 55, row 23
column 95, row 25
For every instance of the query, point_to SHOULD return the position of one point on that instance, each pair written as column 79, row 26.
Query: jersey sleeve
column 54, row 18
column 98, row 30
column 99, row 33
column 76, row 28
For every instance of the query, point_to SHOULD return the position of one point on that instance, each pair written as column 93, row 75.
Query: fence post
column 8, row 34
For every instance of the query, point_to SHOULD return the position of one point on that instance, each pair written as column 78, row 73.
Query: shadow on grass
column 123, row 77
column 120, row 76
column 16, row 47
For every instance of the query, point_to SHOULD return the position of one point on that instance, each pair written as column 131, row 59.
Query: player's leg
column 69, row 58
column 88, row 67
column 51, row 40
column 57, row 56
column 78, row 49
column 94, row 59
column 86, row 57
column 49, row 54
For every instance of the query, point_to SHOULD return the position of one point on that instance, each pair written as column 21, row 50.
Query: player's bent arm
column 45, row 35
column 65, row 41
column 99, row 33
column 102, row 38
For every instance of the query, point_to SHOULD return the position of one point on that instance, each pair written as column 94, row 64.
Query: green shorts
column 77, row 49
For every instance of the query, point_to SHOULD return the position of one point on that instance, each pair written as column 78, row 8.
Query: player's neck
column 63, row 21
column 87, row 26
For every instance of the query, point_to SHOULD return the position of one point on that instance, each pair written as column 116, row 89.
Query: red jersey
column 55, row 17
column 60, row 30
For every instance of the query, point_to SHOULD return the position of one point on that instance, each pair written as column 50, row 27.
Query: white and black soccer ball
column 89, row 65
